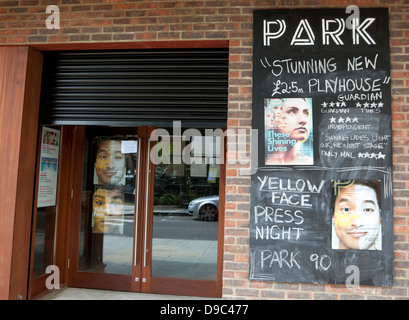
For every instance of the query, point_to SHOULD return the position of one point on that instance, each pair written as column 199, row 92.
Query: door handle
column 137, row 204
column 146, row 202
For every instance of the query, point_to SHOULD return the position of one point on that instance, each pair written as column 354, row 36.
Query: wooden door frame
column 36, row 287
column 188, row 287
column 20, row 83
column 145, row 283
column 64, row 256
column 68, row 183
column 66, row 201
column 140, row 231
column 77, row 278
column 188, row 44
column 20, row 110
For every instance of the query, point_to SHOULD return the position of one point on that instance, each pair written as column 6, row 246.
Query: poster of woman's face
column 109, row 163
column 288, row 131
column 356, row 220
column 294, row 118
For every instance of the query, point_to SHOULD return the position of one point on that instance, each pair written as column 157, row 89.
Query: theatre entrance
column 125, row 196
column 122, row 151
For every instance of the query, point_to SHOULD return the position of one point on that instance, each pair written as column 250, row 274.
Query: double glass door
column 144, row 215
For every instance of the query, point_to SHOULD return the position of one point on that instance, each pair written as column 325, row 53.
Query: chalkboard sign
column 321, row 197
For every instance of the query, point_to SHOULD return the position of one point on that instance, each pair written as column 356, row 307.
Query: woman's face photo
column 295, row 119
column 356, row 217
column 110, row 162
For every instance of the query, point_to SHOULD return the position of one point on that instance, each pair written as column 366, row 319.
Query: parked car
column 206, row 208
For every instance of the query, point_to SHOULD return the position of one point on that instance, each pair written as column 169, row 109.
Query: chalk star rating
column 343, row 120
column 371, row 155
column 367, row 105
column 333, row 104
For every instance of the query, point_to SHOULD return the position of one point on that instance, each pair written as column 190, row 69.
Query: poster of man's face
column 356, row 220
column 107, row 211
column 109, row 163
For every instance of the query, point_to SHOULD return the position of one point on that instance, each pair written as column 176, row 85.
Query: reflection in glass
column 107, row 217
column 184, row 243
column 44, row 240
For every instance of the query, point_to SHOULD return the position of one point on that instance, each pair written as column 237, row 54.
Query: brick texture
column 85, row 21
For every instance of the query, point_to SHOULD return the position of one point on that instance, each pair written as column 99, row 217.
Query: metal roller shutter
column 135, row 87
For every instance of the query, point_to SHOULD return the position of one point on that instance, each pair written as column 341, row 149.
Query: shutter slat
column 135, row 87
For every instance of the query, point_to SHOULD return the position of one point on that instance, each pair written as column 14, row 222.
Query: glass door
column 145, row 217
column 105, row 249
column 184, row 247
column 44, row 222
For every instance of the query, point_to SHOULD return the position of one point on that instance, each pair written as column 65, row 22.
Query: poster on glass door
column 110, row 171
column 48, row 175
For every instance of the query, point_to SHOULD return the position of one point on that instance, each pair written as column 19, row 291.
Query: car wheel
column 208, row 212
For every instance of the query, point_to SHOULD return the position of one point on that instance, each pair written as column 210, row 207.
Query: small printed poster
column 288, row 131
column 129, row 146
column 213, row 174
column 48, row 175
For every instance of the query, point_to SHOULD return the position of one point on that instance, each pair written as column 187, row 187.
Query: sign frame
column 330, row 71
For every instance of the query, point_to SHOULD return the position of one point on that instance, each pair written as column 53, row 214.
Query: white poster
column 129, row 146
column 48, row 175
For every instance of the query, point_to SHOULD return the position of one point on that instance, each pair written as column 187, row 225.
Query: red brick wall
column 85, row 21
